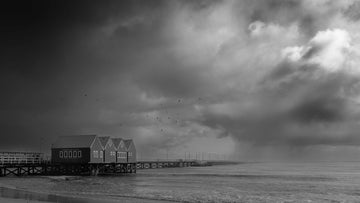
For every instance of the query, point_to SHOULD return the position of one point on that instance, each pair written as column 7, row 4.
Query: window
column 121, row 154
column 70, row 154
column 79, row 154
column 65, row 154
column 112, row 153
column 96, row 154
column 130, row 153
column 75, row 154
column 101, row 154
column 61, row 154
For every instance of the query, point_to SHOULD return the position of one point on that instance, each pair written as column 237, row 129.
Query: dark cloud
column 297, row 104
column 352, row 12
column 53, row 54
column 114, row 67
column 167, row 79
column 275, row 11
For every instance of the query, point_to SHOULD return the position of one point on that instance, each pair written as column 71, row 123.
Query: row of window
column 100, row 154
column 70, row 154
column 121, row 154
column 96, row 154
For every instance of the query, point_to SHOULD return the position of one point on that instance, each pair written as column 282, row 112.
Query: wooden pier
column 66, row 169
column 47, row 168
column 9, row 158
column 164, row 164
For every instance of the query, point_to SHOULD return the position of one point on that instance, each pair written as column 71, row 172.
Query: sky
column 246, row 80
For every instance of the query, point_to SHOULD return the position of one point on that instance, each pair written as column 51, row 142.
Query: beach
column 11, row 200
column 247, row 182
column 15, row 192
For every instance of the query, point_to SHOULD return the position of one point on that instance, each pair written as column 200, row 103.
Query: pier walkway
column 150, row 164
column 46, row 168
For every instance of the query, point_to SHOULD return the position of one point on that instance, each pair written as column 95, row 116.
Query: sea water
column 246, row 182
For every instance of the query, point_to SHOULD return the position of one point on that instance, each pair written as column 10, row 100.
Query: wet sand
column 248, row 182
column 12, row 195
column 10, row 200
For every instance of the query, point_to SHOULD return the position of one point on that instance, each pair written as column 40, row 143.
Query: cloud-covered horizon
column 229, row 77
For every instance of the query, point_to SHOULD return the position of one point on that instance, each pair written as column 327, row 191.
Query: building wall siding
column 121, row 149
column 131, row 154
column 110, row 154
column 96, row 147
column 121, row 158
column 55, row 155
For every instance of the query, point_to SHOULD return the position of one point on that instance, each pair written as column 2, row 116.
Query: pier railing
column 164, row 163
column 7, row 158
column 46, row 168
column 30, row 163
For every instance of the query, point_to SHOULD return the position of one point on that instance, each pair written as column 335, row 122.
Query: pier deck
column 46, row 168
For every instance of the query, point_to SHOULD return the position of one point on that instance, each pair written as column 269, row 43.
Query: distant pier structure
column 82, row 155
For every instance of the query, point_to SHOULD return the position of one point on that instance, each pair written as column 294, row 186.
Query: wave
column 156, row 198
column 244, row 176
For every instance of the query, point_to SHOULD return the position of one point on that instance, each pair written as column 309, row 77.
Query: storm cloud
column 183, row 76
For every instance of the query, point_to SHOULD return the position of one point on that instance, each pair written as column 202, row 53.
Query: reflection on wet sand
column 33, row 196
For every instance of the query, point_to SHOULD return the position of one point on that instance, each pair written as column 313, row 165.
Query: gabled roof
column 74, row 141
column 128, row 143
column 117, row 142
column 104, row 140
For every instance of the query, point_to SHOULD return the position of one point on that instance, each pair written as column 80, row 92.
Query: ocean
column 246, row 182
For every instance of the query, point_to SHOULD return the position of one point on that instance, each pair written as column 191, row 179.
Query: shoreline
column 11, row 200
column 12, row 194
